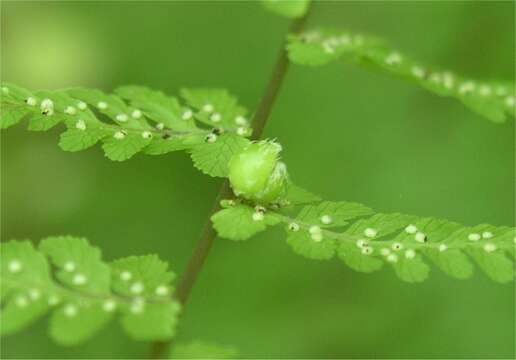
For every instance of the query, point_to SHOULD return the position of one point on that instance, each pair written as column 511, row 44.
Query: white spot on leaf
column 126, row 276
column 293, row 227
column 14, row 266
column 122, row 117
column 370, row 232
column 70, row 110
column 136, row 114
column 137, row 287
column 109, row 305
column 31, row 101
column 397, row 246
column 147, row 135
column 410, row 254
column 70, row 310
column 211, row 138
column 162, row 290
column 258, row 216
column 207, row 108
column 385, row 251
column 411, row 229
column 487, row 234
column 102, row 105
column 69, row 266
column 80, row 125
column 119, row 135
column 420, row 237
column 79, row 279
column 474, row 237
column 326, row 219
column 489, row 247
column 216, row 117
column 187, row 114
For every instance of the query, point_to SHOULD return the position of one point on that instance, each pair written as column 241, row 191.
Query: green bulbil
column 256, row 173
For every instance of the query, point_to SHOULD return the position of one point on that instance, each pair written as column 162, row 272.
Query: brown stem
column 205, row 243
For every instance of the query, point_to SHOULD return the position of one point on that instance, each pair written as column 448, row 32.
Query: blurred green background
column 348, row 134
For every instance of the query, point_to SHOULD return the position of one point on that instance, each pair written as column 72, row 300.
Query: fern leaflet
column 365, row 240
column 491, row 99
column 136, row 119
column 67, row 277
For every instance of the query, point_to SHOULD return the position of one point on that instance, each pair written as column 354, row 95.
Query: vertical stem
column 208, row 235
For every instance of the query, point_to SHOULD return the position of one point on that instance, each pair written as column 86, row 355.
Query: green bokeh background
column 347, row 133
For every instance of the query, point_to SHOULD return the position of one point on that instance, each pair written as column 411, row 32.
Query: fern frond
column 67, row 277
column 136, row 119
column 491, row 99
column 365, row 240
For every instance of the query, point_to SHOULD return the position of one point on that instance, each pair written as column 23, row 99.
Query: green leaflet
column 86, row 293
column 453, row 262
column 371, row 240
column 158, row 322
column 216, row 108
column 149, row 273
column 75, row 139
column 353, row 257
column 80, row 265
column 122, row 146
column 288, row 8
column 149, row 277
column 16, row 315
column 241, row 222
column 411, row 270
column 159, row 107
column 203, row 350
column 338, row 213
column 212, row 158
column 299, row 196
column 69, row 330
column 493, row 100
column 92, row 116
column 304, row 243
column 161, row 146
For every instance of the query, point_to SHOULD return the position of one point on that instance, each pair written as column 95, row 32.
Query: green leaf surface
column 412, row 270
column 161, row 146
column 339, row 212
column 16, row 316
column 122, row 146
column 451, row 261
column 159, row 107
column 357, row 260
column 299, row 196
column 155, row 322
column 240, row 223
column 495, row 264
column 75, row 139
column 148, row 271
column 88, row 319
column 80, row 264
column 216, row 107
column 304, row 244
column 213, row 158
